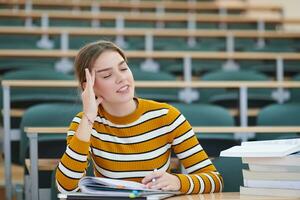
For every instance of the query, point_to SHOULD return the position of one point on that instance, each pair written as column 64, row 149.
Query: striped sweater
column 131, row 147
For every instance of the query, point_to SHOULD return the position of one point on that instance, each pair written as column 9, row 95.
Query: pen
column 153, row 180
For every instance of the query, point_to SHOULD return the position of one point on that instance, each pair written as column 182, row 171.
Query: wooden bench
column 167, row 6
column 145, row 17
column 81, row 31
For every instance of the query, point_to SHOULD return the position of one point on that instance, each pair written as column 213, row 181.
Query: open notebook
column 105, row 188
column 84, row 196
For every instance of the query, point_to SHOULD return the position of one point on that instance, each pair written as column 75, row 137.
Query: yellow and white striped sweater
column 131, row 147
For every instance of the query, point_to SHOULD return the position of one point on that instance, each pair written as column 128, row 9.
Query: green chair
column 275, row 45
column 7, row 65
column 287, row 114
column 211, row 44
column 230, row 98
column 295, row 92
column 231, row 171
column 19, row 41
column 135, row 42
column 23, row 98
column 49, row 145
column 241, row 44
column 155, row 94
column 175, row 25
column 209, row 115
column 170, row 43
column 208, row 25
column 11, row 22
column 204, row 66
column 267, row 67
column 54, row 191
column 242, row 26
column 137, row 24
column 291, row 67
column 76, row 42
column 69, row 23
column 173, row 66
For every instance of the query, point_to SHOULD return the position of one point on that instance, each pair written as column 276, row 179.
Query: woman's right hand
column 89, row 100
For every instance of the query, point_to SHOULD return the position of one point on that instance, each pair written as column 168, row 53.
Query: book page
column 295, row 141
column 115, row 187
column 114, row 183
column 260, row 150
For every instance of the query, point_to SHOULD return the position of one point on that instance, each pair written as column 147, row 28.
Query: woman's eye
column 124, row 69
column 107, row 76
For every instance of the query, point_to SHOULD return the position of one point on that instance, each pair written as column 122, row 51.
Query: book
column 270, row 192
column 295, row 141
column 283, row 180
column 117, row 188
column 273, row 168
column 268, row 148
column 279, row 184
column 290, row 176
column 290, row 160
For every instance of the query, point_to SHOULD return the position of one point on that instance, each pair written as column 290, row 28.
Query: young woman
column 128, row 137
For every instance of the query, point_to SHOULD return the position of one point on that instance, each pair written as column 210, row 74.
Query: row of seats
column 130, row 24
column 25, row 97
column 177, row 6
column 172, row 66
column 9, row 41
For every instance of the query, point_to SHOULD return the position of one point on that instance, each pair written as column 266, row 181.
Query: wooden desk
column 35, row 164
column 223, row 196
column 143, row 5
column 227, row 196
column 14, row 53
column 145, row 17
column 81, row 31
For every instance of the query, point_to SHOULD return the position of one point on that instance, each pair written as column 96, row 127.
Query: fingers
column 160, row 185
column 89, row 79
column 163, row 181
column 93, row 77
column 152, row 176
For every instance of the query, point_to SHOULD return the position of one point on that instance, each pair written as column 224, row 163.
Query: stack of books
column 274, row 167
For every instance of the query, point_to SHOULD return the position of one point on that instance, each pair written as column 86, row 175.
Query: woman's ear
column 83, row 85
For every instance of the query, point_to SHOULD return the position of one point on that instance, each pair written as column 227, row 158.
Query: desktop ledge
column 225, row 196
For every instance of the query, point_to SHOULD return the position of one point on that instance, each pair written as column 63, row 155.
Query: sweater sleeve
column 202, row 176
column 74, row 161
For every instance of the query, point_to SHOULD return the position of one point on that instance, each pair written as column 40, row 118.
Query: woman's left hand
column 161, row 180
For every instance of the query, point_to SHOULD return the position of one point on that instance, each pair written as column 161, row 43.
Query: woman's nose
column 119, row 77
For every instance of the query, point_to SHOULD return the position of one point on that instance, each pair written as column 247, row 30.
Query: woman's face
column 113, row 79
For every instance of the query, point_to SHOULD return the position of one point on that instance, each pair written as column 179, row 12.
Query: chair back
column 47, row 115
column 231, row 171
column 229, row 97
column 209, row 115
column 158, row 94
column 287, row 114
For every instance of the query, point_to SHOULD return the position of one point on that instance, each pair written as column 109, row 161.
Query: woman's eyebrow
column 122, row 62
column 110, row 68
column 105, row 69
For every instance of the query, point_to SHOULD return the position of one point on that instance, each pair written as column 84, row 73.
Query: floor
column 17, row 177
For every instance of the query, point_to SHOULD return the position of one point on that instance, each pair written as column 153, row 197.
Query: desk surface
column 227, row 196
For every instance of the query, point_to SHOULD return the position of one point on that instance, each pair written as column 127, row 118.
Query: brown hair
column 88, row 54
